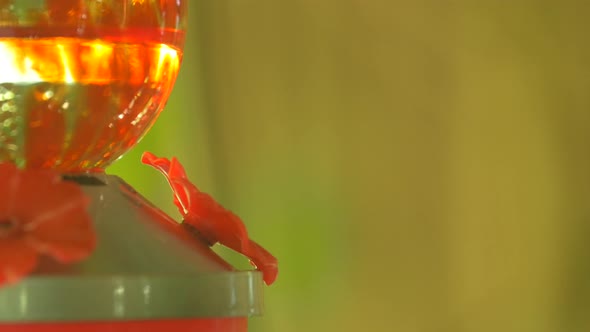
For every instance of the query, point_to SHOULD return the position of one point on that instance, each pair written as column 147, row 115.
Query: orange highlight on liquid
column 81, row 102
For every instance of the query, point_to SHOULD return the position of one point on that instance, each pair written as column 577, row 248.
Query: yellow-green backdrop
column 415, row 165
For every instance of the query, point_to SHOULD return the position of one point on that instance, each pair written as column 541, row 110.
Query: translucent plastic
column 81, row 81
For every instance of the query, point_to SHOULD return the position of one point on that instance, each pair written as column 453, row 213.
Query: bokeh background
column 415, row 165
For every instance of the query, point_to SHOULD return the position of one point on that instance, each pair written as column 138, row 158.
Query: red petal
column 177, row 170
column 176, row 177
column 162, row 164
column 181, row 185
column 51, row 218
column 16, row 260
column 53, row 214
column 227, row 228
column 263, row 261
column 67, row 237
column 42, row 195
column 213, row 222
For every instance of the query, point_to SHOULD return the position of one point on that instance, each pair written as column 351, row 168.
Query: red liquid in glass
column 77, row 101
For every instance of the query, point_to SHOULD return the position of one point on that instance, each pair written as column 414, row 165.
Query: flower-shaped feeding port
column 40, row 215
column 212, row 221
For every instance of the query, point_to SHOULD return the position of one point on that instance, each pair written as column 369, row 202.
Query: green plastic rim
column 232, row 294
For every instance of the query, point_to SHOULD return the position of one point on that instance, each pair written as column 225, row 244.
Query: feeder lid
column 145, row 266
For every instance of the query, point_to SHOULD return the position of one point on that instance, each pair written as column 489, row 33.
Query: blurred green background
column 415, row 165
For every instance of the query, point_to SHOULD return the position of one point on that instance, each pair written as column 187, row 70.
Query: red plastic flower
column 210, row 219
column 40, row 215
